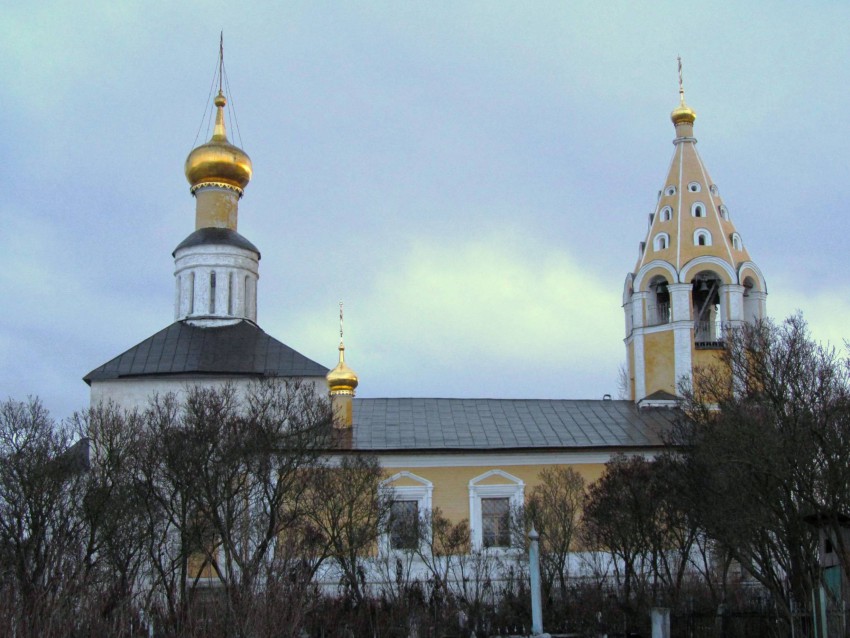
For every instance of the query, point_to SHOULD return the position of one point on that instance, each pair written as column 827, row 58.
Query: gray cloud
column 391, row 137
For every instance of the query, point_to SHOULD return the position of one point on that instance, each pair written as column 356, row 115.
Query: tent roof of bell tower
column 690, row 219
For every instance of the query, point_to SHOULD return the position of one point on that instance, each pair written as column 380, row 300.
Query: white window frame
column 422, row 494
column 702, row 232
column 666, row 214
column 694, row 187
column 694, row 209
column 661, row 238
column 513, row 489
column 724, row 212
column 737, row 244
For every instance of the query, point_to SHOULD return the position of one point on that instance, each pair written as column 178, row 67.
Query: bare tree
column 225, row 476
column 349, row 510
column 554, row 508
column 770, row 425
column 619, row 517
column 45, row 548
column 113, row 507
column 172, row 531
column 441, row 546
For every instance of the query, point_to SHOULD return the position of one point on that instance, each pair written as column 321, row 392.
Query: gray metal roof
column 216, row 236
column 661, row 395
column 181, row 348
column 504, row 424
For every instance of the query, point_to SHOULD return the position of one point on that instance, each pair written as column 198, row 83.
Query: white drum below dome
column 216, row 284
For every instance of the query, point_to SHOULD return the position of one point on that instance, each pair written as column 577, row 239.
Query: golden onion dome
column 683, row 114
column 342, row 379
column 218, row 162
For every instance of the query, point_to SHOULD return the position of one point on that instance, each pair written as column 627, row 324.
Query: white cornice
column 491, row 459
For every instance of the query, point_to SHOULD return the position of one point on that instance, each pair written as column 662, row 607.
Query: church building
column 474, row 458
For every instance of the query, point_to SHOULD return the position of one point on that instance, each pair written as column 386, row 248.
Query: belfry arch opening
column 707, row 311
column 658, row 310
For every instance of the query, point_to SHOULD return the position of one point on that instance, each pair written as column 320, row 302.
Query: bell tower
column 693, row 281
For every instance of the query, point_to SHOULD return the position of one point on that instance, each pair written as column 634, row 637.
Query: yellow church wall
column 705, row 358
column 742, row 254
column 659, row 360
column 451, row 484
column 667, row 254
column 199, row 567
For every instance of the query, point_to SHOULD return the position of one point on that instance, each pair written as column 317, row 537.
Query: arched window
column 737, row 244
column 661, row 241
column 666, row 214
column 702, row 237
column 694, row 187
column 230, row 294
column 713, row 189
column 191, row 293
column 212, row 292
column 707, row 311
column 658, row 303
column 670, row 190
column 724, row 212
column 698, row 209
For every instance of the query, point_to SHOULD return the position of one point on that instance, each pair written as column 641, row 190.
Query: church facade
column 475, row 459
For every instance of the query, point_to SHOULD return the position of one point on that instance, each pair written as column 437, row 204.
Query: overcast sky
column 471, row 178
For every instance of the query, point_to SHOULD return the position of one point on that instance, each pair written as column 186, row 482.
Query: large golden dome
column 342, row 379
column 218, row 162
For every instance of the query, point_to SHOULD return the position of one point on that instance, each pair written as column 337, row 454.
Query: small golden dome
column 683, row 114
column 218, row 162
column 342, row 379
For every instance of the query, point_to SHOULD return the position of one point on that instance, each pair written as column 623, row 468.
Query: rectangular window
column 495, row 522
column 832, row 580
column 404, row 525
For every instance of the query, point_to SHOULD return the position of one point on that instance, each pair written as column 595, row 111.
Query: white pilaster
column 638, row 309
column 640, row 366
column 682, row 340
column 733, row 295
column 680, row 300
column 755, row 306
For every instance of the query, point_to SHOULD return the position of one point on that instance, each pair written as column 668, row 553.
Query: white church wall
column 137, row 393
